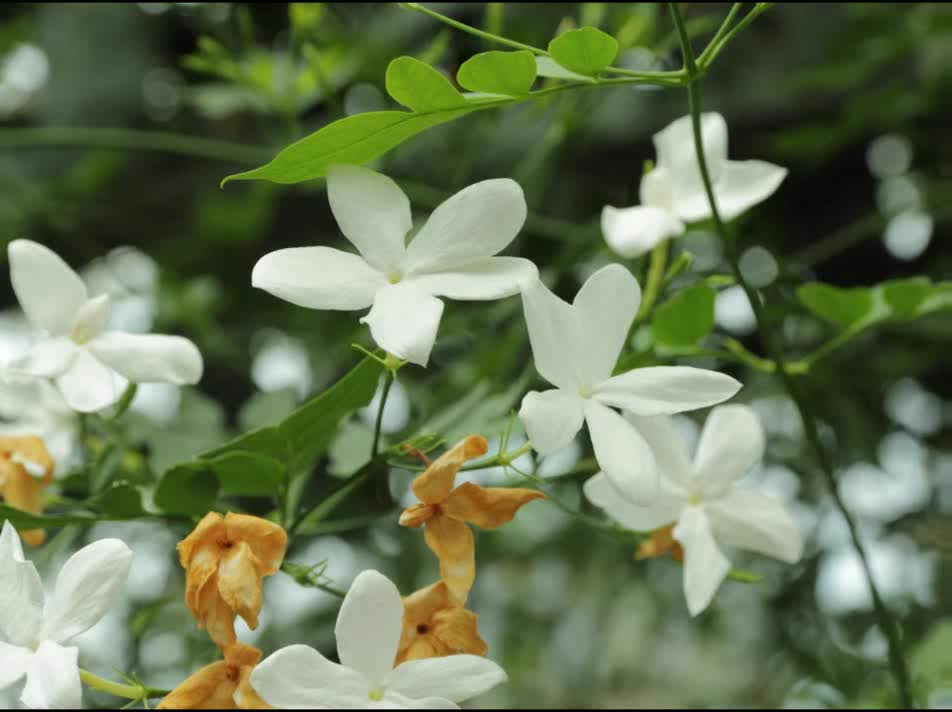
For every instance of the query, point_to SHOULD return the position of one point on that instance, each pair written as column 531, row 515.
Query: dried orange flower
column 225, row 558
column 25, row 469
column 661, row 542
column 445, row 512
column 222, row 685
column 434, row 625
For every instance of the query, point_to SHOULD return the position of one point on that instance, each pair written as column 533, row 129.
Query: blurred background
column 117, row 122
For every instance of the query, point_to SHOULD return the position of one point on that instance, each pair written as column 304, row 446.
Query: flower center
column 394, row 277
column 422, row 629
column 375, row 694
column 585, row 391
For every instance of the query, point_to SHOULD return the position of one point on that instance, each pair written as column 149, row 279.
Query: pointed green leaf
column 121, row 501
column 509, row 73
column 419, row 87
column 21, row 519
column 189, row 489
column 843, row 307
column 354, row 140
column 310, row 428
column 248, row 474
column 686, row 318
column 586, row 50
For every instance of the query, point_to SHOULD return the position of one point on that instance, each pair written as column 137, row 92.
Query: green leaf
column 28, row 520
column 548, row 67
column 843, row 307
column 248, row 474
column 264, row 441
column 419, row 87
column 905, row 296
column 310, row 428
column 120, row 501
column 586, row 50
column 189, row 489
column 931, row 660
column 509, row 73
column 686, row 318
column 353, row 140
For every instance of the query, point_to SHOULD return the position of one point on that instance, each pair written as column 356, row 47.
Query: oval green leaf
column 509, row 73
column 686, row 318
column 248, row 474
column 905, row 296
column 419, row 87
column 189, row 489
column 586, row 50
column 843, row 307
column 548, row 67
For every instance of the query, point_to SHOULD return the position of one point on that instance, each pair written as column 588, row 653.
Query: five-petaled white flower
column 575, row 347
column 704, row 500
column 88, row 363
column 368, row 634
column 452, row 255
column 673, row 192
column 86, row 588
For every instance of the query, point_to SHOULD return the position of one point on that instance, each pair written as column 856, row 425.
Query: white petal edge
column 47, row 359
column 49, row 291
column 455, row 677
column 753, row 521
column 404, row 321
column 676, row 153
column 705, row 565
column 744, row 184
column 664, row 510
column 551, row 418
column 372, row 212
column 605, row 307
column 666, row 390
column 485, row 278
column 731, row 442
column 52, row 678
column 479, row 221
column 318, row 278
column 669, row 448
column 299, row 677
column 21, row 591
column 149, row 358
column 89, row 385
column 632, row 232
column 86, row 589
column 369, row 625
column 555, row 335
column 622, row 454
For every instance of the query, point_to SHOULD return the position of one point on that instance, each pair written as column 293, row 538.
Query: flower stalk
column 118, row 689
column 887, row 623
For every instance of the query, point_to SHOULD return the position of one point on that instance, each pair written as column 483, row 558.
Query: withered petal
column 246, row 697
column 487, row 507
column 208, row 688
column 23, row 491
column 416, row 515
column 239, row 582
column 458, row 630
column 215, row 615
column 436, row 482
column 209, row 530
column 452, row 542
column 203, row 565
column 29, row 447
column 267, row 540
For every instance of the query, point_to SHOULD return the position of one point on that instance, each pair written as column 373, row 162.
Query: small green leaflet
column 421, row 88
column 856, row 308
column 686, row 318
column 586, row 50
column 548, row 67
column 507, row 73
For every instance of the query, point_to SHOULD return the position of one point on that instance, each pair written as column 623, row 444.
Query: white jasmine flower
column 672, row 193
column 575, row 347
column 368, row 634
column 86, row 588
column 704, row 502
column 453, row 256
column 89, row 364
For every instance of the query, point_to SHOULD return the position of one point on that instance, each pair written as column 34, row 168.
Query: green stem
column 887, row 623
column 659, row 260
column 712, row 50
column 117, row 689
column 125, row 401
column 702, row 58
column 388, row 382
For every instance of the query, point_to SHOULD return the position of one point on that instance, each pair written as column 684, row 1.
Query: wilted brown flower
column 26, row 467
column 445, row 512
column 223, row 685
column 434, row 625
column 226, row 558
